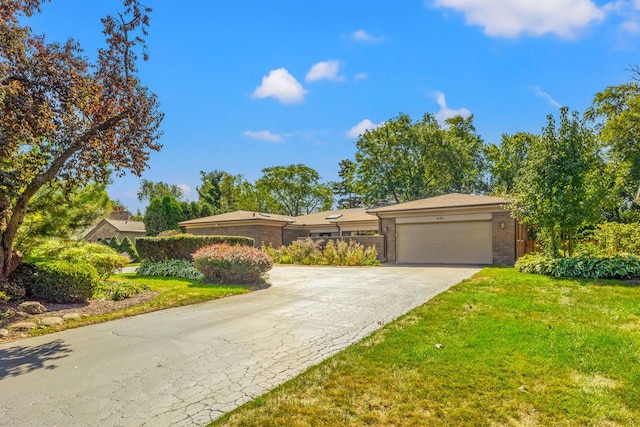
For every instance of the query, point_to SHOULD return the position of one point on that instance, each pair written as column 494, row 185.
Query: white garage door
column 465, row 242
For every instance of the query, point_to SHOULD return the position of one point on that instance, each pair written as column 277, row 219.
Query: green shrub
column 310, row 252
column 114, row 243
column 158, row 249
column 117, row 291
column 12, row 290
column 62, row 281
column 224, row 263
column 170, row 268
column 620, row 266
column 129, row 248
column 612, row 238
column 104, row 259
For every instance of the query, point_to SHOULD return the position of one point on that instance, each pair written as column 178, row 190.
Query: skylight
column 334, row 216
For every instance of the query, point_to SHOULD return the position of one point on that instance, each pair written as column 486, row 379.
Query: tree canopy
column 403, row 160
column 294, row 190
column 150, row 190
column 65, row 119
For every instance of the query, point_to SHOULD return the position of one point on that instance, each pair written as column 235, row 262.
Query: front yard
column 164, row 292
column 502, row 348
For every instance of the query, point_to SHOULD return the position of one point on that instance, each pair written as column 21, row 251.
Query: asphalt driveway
column 189, row 365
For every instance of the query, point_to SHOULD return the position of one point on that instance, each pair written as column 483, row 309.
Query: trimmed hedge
column 223, row 263
column 60, row 281
column 620, row 266
column 158, row 249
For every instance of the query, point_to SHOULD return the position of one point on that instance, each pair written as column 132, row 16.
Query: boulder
column 52, row 321
column 32, row 307
column 3, row 333
column 71, row 316
column 23, row 326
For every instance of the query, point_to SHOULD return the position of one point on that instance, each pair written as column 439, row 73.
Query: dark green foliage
column 162, row 214
column 62, row 281
column 158, row 249
column 114, row 243
column 619, row 266
column 170, row 268
column 224, row 263
column 129, row 248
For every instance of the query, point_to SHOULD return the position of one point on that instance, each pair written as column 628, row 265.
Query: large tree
column 403, row 160
column 616, row 114
column 65, row 119
column 507, row 161
column 150, row 190
column 294, row 190
column 562, row 187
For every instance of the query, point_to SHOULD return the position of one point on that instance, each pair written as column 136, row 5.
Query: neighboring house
column 277, row 230
column 450, row 229
column 107, row 228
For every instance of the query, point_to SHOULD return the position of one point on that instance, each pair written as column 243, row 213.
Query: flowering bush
column 309, row 252
column 223, row 263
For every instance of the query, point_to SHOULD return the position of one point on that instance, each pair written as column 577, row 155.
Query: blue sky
column 246, row 85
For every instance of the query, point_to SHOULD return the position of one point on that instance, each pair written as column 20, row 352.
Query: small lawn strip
column 172, row 292
column 518, row 349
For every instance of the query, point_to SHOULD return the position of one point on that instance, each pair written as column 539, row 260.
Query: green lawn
column 518, row 349
column 173, row 292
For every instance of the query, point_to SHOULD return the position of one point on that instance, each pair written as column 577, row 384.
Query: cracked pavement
column 187, row 366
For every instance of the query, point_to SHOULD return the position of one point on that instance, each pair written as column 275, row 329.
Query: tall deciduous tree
column 150, row 190
column 294, row 190
column 562, row 186
column 616, row 112
column 404, row 160
column 508, row 160
column 65, row 119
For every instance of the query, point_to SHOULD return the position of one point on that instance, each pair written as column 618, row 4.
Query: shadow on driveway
column 15, row 361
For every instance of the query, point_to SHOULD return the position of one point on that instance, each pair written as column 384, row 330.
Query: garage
column 448, row 229
column 461, row 242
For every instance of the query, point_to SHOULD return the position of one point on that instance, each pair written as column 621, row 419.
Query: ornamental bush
column 310, row 252
column 158, row 249
column 619, row 266
column 170, row 268
column 224, row 263
column 104, row 259
column 114, row 243
column 62, row 281
column 129, row 248
column 613, row 237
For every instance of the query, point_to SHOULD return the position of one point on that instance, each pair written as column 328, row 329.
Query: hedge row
column 158, row 249
column 57, row 281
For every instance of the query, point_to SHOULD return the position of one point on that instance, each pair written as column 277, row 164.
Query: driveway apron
column 189, row 365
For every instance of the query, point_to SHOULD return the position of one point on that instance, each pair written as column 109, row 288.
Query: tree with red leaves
column 65, row 120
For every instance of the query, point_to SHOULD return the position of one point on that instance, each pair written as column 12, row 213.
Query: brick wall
column 291, row 234
column 269, row 235
column 504, row 239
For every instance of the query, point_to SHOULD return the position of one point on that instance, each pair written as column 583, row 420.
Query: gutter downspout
column 384, row 234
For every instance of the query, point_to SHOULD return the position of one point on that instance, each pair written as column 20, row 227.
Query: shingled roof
column 453, row 200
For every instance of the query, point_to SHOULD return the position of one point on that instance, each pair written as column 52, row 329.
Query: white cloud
column 186, row 190
column 512, row 18
column 281, row 85
column 361, row 76
column 361, row 128
column 325, row 70
column 264, row 135
column 547, row 97
column 363, row 36
column 446, row 112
